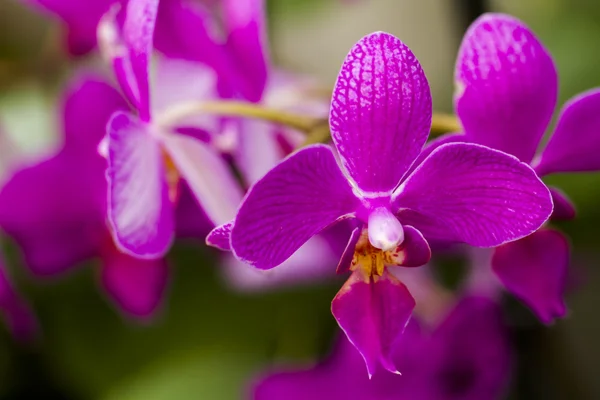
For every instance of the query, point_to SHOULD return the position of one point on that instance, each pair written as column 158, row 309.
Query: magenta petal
column 346, row 260
column 245, row 21
column 137, row 286
column 56, row 210
column 373, row 314
column 294, row 201
column 140, row 211
column 434, row 144
column 220, row 237
column 138, row 32
column 473, row 194
column 207, row 174
column 380, row 112
column 575, row 143
column 88, row 105
column 534, row 269
column 414, row 250
column 563, row 208
column 506, row 86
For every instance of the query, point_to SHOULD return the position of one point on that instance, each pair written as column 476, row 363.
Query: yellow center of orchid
column 172, row 177
column 371, row 260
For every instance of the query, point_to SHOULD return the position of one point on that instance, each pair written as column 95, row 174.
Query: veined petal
column 245, row 21
column 137, row 286
column 220, row 237
column 534, row 269
column 140, row 211
column 506, row 85
column 294, row 201
column 207, row 174
column 575, row 143
column 473, row 194
column 563, row 208
column 373, row 314
column 434, row 144
column 380, row 111
column 138, row 33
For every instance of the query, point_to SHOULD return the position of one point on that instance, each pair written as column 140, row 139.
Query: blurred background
column 209, row 340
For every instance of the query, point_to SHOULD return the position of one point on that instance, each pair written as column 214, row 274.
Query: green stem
column 305, row 124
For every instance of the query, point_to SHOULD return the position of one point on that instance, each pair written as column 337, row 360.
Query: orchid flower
column 380, row 119
column 466, row 357
column 506, row 94
column 55, row 210
column 146, row 159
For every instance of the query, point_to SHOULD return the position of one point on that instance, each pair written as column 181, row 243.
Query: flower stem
column 305, row 124
column 444, row 123
column 316, row 129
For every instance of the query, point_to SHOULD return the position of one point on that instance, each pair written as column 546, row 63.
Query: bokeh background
column 210, row 341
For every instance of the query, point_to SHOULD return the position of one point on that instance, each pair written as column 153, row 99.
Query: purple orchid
column 506, row 94
column 55, row 210
column 380, row 119
column 466, row 357
column 147, row 159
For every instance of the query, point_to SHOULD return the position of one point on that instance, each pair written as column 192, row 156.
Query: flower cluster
column 194, row 133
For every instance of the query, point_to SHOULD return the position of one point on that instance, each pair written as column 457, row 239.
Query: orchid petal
column 506, row 86
column 245, row 21
column 380, row 112
column 473, row 194
column 220, row 237
column 88, row 105
column 346, row 260
column 138, row 33
column 575, row 143
column 373, row 314
column 191, row 221
column 294, row 201
column 137, row 286
column 434, row 144
column 207, row 174
column 115, row 52
column 56, row 209
column 184, row 31
column 534, row 269
column 563, row 208
column 140, row 211
column 414, row 251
